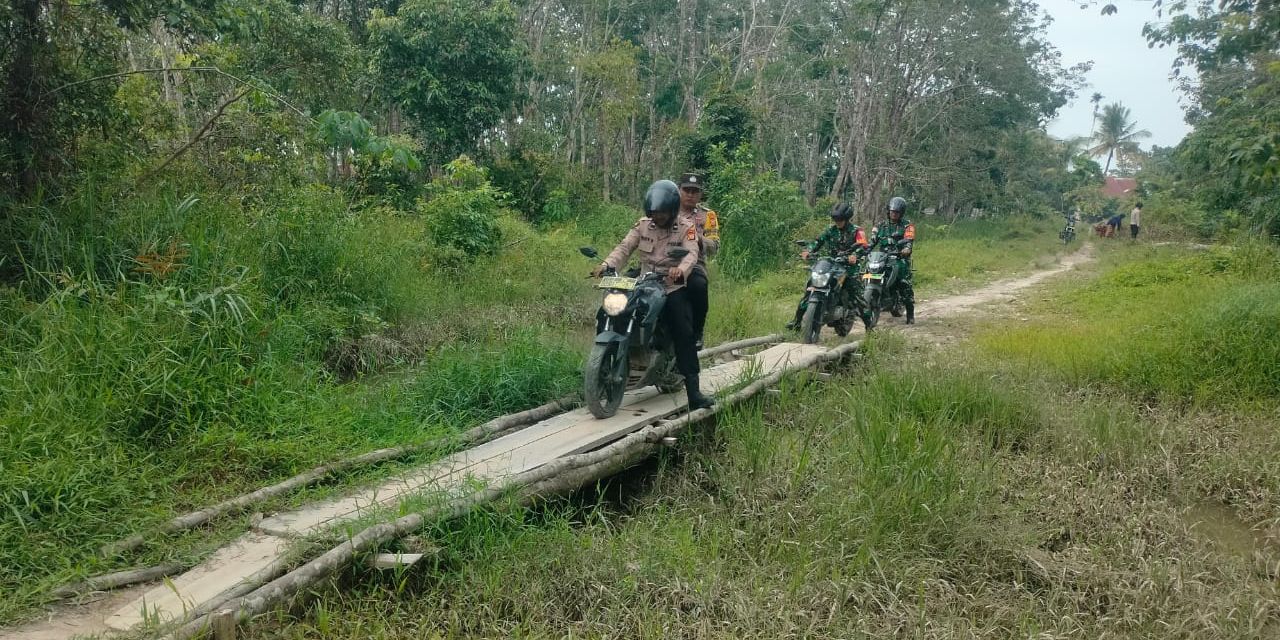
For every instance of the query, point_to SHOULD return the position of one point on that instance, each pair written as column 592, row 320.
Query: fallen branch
column 200, row 135
column 567, row 473
column 117, row 579
column 471, row 437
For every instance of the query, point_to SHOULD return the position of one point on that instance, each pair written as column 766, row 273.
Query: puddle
column 1220, row 524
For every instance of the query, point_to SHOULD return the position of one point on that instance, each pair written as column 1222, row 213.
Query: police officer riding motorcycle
column 667, row 244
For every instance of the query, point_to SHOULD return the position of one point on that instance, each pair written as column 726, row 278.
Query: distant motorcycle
column 880, row 277
column 631, row 349
column 828, row 303
column 1068, row 232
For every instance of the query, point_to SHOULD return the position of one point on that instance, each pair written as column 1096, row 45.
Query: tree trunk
column 23, row 121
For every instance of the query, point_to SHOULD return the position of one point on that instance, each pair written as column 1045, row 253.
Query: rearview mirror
column 589, row 252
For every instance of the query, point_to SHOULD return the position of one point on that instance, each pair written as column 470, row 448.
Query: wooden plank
column 249, row 554
column 571, row 432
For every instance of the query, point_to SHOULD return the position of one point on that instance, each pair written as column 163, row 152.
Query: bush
column 462, row 210
column 760, row 214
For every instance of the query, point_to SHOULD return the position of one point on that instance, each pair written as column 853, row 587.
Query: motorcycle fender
column 605, row 337
column 817, row 295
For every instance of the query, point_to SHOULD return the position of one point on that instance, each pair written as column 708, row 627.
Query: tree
column 451, row 65
column 1230, row 163
column 1095, row 99
column 1117, row 133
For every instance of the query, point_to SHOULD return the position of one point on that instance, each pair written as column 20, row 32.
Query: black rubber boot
column 696, row 399
column 911, row 312
column 794, row 325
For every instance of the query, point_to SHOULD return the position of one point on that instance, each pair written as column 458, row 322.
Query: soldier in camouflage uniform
column 841, row 238
column 708, row 226
column 895, row 231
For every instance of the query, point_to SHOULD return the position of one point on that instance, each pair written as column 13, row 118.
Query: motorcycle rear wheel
column 602, row 393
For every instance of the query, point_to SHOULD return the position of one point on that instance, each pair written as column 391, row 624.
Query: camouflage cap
column 692, row 180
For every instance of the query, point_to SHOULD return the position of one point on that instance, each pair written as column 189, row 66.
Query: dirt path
column 936, row 319
column 939, row 319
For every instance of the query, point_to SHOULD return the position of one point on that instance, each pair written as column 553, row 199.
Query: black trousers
column 677, row 317
column 906, row 288
column 1133, row 231
column 698, row 301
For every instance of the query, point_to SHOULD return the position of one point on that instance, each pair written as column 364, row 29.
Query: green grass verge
column 1166, row 322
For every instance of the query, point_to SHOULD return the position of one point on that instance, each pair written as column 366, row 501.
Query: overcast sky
column 1124, row 69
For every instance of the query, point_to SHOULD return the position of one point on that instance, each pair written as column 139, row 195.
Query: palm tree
column 1069, row 148
column 1096, row 99
column 1117, row 133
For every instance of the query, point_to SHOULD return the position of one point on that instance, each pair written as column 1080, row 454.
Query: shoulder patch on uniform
column 690, row 234
column 713, row 221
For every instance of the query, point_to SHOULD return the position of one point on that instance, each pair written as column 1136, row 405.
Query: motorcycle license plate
column 872, row 276
column 617, row 282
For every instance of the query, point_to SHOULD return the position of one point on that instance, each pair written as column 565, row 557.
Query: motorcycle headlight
column 875, row 266
column 819, row 279
column 614, row 303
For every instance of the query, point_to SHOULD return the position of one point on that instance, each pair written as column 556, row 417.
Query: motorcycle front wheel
column 843, row 327
column 602, row 388
column 872, row 297
column 811, row 324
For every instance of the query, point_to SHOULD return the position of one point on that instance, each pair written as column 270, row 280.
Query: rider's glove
column 599, row 270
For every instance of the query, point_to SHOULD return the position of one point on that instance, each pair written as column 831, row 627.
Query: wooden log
column 224, row 625
column 472, row 437
column 118, row 579
column 558, row 476
column 740, row 344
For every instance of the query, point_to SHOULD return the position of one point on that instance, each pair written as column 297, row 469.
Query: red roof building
column 1119, row 187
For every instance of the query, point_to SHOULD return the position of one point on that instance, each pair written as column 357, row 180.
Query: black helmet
column 662, row 195
column 841, row 211
column 898, row 204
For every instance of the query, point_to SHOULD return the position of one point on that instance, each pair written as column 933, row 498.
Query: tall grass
column 162, row 353
column 1165, row 322
column 933, row 499
column 778, row 523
